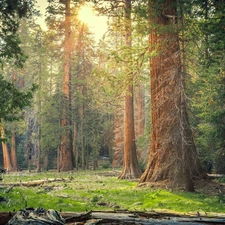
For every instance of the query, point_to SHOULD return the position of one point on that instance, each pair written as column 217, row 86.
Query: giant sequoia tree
column 60, row 23
column 66, row 145
column 130, row 163
column 173, row 157
column 76, row 48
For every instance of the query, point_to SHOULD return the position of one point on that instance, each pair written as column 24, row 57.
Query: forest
column 147, row 97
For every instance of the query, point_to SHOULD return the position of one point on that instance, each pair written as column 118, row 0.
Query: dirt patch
column 209, row 187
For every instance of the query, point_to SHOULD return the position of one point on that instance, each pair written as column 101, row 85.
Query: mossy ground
column 100, row 190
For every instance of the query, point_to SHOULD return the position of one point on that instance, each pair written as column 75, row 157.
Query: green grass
column 92, row 190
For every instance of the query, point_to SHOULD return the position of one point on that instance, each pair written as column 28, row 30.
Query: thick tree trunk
column 39, row 150
column 13, row 155
column 46, row 161
column 173, row 157
column 6, row 156
column 13, row 152
column 75, row 155
column 81, row 89
column 119, row 140
column 83, row 158
column 130, row 165
column 140, row 118
column 140, row 108
column 66, row 144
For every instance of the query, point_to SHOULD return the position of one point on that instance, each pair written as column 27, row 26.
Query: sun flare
column 97, row 24
column 86, row 14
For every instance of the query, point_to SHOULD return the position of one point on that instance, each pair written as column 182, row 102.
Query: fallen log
column 69, row 217
column 76, row 217
column 128, row 217
column 35, row 182
column 154, row 218
column 216, row 176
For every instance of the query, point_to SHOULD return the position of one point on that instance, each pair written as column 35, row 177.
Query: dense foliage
column 11, row 13
column 13, row 100
column 98, row 80
column 206, row 63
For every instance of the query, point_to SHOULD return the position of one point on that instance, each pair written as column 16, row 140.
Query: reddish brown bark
column 173, row 157
column 6, row 156
column 81, row 88
column 66, row 144
column 13, row 153
column 140, row 108
column 82, row 139
column 130, row 164
column 119, row 140
column 75, row 155
column 38, row 169
column 46, row 161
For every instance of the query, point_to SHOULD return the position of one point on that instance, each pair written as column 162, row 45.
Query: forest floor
column 207, row 187
column 210, row 187
column 102, row 191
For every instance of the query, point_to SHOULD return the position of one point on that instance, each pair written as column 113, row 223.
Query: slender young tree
column 173, row 157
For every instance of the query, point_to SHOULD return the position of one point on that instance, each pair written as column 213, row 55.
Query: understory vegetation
column 81, row 191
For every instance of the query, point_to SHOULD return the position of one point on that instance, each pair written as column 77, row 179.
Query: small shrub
column 221, row 180
column 106, row 165
column 95, row 198
column 32, row 167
